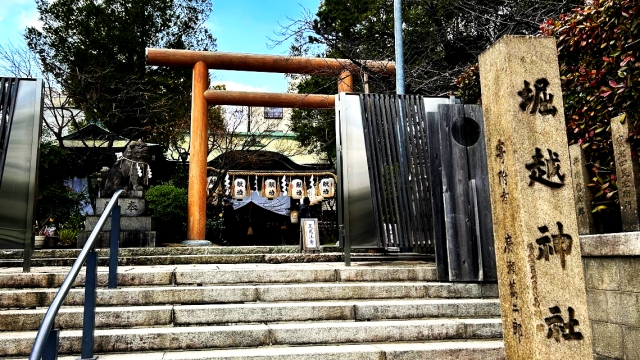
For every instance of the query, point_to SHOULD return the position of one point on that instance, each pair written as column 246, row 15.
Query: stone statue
column 130, row 172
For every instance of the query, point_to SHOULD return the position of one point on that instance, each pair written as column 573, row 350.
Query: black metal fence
column 396, row 143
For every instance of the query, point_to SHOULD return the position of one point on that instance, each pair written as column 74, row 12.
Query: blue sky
column 238, row 25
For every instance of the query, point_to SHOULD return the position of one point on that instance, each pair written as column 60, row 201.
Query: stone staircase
column 259, row 310
column 177, row 255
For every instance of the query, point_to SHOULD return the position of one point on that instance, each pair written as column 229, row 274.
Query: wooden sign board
column 309, row 234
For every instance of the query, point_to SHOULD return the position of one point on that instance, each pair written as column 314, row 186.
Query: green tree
column 315, row 129
column 96, row 51
column 55, row 200
column 441, row 39
column 599, row 70
column 600, row 74
column 168, row 206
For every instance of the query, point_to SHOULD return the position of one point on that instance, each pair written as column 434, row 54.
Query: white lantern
column 240, row 189
column 327, row 188
column 270, row 188
column 297, row 189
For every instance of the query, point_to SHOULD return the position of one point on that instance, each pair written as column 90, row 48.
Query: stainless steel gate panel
column 19, row 181
column 355, row 207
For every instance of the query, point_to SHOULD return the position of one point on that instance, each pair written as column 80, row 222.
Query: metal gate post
column 114, row 244
column 89, row 319
column 51, row 347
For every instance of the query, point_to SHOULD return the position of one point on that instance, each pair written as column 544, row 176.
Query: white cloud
column 16, row 2
column 234, row 86
column 30, row 20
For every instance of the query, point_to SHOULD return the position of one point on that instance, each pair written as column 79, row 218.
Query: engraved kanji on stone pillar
column 540, row 272
column 581, row 192
column 626, row 173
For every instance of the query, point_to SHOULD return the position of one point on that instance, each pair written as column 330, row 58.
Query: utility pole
column 249, row 119
column 397, row 26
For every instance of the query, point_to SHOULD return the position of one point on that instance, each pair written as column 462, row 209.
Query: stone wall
column 612, row 277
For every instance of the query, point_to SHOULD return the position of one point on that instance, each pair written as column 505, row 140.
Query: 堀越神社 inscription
column 539, row 100
column 540, row 274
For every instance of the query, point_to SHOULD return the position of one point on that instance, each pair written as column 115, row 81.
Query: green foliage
column 468, row 86
column 180, row 178
column 168, row 206
column 67, row 236
column 214, row 227
column 315, row 129
column 441, row 37
column 96, row 51
column 600, row 80
column 75, row 222
column 54, row 199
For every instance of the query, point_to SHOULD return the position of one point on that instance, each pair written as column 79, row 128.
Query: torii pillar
column 202, row 61
column 196, row 207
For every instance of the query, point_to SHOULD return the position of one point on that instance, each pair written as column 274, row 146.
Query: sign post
column 540, row 273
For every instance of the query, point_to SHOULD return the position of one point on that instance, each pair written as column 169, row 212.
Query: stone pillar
column 627, row 174
column 581, row 193
column 540, row 274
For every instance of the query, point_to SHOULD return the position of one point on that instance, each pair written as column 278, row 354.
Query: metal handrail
column 52, row 312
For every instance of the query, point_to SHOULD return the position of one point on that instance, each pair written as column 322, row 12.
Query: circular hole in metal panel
column 465, row 131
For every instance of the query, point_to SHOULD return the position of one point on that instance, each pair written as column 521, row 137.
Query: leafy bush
column 55, row 200
column 468, row 85
column 168, row 206
column 67, row 236
column 600, row 80
column 214, row 228
column 69, row 230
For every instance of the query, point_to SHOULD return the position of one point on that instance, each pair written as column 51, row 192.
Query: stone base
column 129, row 238
column 128, row 206
column 196, row 242
column 134, row 223
column 139, row 194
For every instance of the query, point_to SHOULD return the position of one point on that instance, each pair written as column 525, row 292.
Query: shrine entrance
column 416, row 166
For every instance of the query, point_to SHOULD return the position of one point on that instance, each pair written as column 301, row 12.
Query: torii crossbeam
column 202, row 61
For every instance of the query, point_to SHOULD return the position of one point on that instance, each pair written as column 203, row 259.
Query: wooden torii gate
column 202, row 97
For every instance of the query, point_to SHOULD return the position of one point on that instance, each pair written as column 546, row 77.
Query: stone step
column 433, row 350
column 226, row 274
column 183, row 315
column 251, row 293
column 174, row 251
column 71, row 318
column 196, row 250
column 128, row 239
column 211, row 337
column 189, row 259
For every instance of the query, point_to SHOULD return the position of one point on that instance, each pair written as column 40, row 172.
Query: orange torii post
column 202, row 97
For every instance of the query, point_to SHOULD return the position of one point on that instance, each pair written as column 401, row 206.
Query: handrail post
column 50, row 351
column 89, row 319
column 89, row 258
column 114, row 244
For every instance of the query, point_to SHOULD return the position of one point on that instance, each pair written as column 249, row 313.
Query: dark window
column 272, row 113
